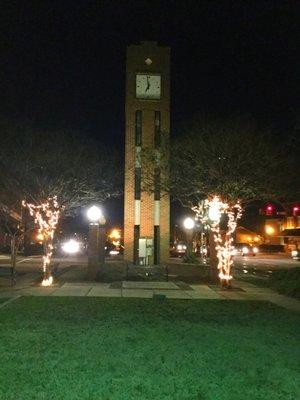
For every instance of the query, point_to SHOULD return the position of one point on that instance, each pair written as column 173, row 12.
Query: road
column 260, row 262
column 262, row 265
column 33, row 263
column 266, row 261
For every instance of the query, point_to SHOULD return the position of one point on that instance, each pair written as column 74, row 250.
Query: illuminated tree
column 53, row 174
column 223, row 165
column 46, row 216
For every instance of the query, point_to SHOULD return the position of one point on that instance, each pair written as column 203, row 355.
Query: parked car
column 245, row 249
column 178, row 250
column 112, row 251
column 295, row 254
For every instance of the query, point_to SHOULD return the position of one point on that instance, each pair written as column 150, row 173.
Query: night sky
column 63, row 63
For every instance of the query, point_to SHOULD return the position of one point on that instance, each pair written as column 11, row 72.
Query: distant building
column 291, row 239
column 284, row 229
column 244, row 235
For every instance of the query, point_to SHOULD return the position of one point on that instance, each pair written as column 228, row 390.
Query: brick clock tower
column 147, row 114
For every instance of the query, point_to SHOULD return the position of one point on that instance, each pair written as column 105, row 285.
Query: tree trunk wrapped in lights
column 223, row 238
column 46, row 216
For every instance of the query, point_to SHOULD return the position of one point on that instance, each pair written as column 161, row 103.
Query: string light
column 46, row 216
column 210, row 214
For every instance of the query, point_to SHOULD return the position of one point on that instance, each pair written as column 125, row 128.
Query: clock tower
column 147, row 115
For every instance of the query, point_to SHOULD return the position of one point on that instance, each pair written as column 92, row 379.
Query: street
column 262, row 262
column 266, row 261
column 33, row 263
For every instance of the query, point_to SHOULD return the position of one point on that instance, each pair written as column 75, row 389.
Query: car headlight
column 114, row 252
column 294, row 253
column 184, row 247
column 71, row 246
column 179, row 247
column 255, row 250
column 245, row 250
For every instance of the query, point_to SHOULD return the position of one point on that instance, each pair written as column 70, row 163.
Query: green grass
column 108, row 349
column 284, row 281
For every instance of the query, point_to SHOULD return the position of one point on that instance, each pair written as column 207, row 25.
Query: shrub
column 190, row 258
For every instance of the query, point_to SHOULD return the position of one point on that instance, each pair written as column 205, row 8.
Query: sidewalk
column 170, row 290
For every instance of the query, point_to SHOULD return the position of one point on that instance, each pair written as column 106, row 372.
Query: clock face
column 148, row 86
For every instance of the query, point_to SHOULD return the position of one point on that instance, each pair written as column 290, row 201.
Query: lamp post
column 189, row 224
column 96, row 242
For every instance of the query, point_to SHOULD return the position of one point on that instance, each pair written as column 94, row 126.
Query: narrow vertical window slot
column 157, row 130
column 138, row 128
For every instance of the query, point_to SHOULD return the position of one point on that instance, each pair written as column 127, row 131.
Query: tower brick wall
column 137, row 55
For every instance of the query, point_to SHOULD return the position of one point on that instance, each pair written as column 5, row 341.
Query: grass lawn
column 108, row 349
column 285, row 281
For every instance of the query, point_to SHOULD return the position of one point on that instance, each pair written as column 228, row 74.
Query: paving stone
column 72, row 291
column 250, row 296
column 174, row 294
column 137, row 293
column 283, row 301
column 90, row 284
column 147, row 289
column 203, row 292
column 150, row 285
column 258, row 290
column 243, row 284
column 183, row 286
column 231, row 295
column 249, row 287
column 98, row 291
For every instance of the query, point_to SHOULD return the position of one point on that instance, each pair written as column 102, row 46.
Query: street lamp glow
column 115, row 234
column 94, row 214
column 189, row 223
column 269, row 230
column 71, row 246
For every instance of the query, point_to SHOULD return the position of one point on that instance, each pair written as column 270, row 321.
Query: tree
column 218, row 166
column 11, row 223
column 53, row 174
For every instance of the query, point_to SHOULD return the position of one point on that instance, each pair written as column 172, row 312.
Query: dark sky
column 63, row 62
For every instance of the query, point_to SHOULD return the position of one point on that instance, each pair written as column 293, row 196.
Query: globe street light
column 94, row 214
column 189, row 224
column 96, row 242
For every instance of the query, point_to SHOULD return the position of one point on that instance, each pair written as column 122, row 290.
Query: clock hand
column 148, row 84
